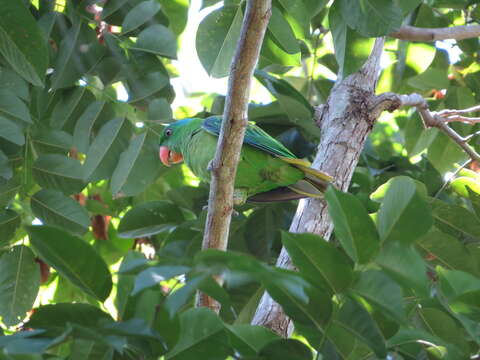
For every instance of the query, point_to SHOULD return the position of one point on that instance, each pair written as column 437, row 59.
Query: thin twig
column 439, row 120
column 224, row 165
column 449, row 180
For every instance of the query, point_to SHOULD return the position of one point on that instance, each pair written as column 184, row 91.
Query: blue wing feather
column 254, row 136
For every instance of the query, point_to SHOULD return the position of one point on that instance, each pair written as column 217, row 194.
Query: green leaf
column 300, row 300
column 13, row 107
column 12, row 81
column 202, row 335
column 58, row 316
column 455, row 220
column 462, row 184
column 444, row 153
column 19, row 284
column 299, row 14
column 408, row 5
column 320, row 262
column 139, row 15
column 405, row 265
column 409, row 335
column 353, row 226
column 402, row 207
column 292, row 102
column 9, row 222
column 447, row 251
column 95, row 115
column 153, row 275
column 8, row 190
column 70, row 106
column 137, row 168
column 382, row 292
column 432, row 78
column 79, row 52
column 52, row 141
column 150, row 218
column 457, row 284
column 290, row 349
column 249, row 340
column 358, row 321
column 282, row 33
column 54, row 208
column 11, row 132
column 21, row 42
column 217, row 38
column 160, row 110
column 103, row 154
column 73, row 258
column 54, row 171
column 351, row 50
column 372, row 18
column 159, row 40
column 147, row 85
column 443, row 326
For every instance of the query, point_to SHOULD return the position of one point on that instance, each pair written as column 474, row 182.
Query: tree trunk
column 345, row 122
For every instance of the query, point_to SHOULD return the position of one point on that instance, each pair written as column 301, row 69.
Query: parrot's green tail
column 314, row 184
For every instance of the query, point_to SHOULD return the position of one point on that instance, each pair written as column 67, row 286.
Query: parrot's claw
column 210, row 166
column 239, row 196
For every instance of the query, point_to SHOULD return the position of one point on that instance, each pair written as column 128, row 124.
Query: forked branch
column 439, row 120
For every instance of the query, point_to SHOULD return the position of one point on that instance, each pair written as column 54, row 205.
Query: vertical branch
column 224, row 165
column 345, row 121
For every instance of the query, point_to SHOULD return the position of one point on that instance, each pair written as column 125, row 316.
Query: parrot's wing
column 254, row 136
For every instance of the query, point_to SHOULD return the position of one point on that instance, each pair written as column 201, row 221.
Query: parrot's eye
column 168, row 132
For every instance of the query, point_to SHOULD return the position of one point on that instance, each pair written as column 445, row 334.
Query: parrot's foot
column 240, row 196
column 210, row 166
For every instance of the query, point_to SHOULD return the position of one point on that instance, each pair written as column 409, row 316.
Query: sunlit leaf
column 217, row 38
column 381, row 291
column 353, row 226
column 372, row 18
column 401, row 208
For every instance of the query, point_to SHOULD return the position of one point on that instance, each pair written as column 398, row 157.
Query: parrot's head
column 172, row 138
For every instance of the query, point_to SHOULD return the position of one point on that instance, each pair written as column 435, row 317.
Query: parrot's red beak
column 169, row 157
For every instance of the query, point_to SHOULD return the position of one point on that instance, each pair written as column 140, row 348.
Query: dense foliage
column 112, row 264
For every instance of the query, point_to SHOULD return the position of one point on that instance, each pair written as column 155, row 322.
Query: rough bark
column 224, row 165
column 345, row 120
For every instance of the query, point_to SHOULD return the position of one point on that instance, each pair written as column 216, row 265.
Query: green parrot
column 267, row 171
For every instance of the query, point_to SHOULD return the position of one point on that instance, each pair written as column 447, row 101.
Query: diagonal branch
column 413, row 33
column 345, row 121
column 439, row 120
column 224, row 165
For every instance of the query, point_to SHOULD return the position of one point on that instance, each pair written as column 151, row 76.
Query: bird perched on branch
column 267, row 170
